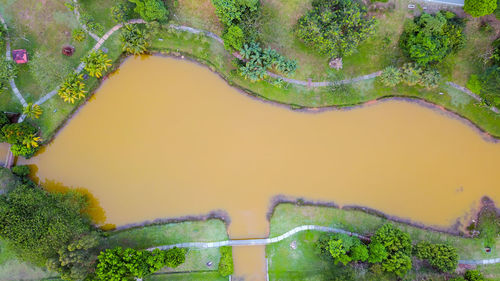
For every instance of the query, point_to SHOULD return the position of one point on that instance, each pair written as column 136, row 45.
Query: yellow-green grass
column 191, row 276
column 195, row 13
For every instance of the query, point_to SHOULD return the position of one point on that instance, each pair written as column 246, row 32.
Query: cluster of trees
column 226, row 266
column 257, row 61
column 479, row 8
column 73, row 88
column 335, row 27
column 429, row 38
column 410, row 74
column 134, row 40
column 23, row 137
column 96, row 63
column 390, row 249
column 119, row 264
column 240, row 21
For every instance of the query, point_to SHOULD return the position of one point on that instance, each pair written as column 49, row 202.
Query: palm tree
column 72, row 88
column 31, row 140
column 134, row 41
column 96, row 63
column 32, row 111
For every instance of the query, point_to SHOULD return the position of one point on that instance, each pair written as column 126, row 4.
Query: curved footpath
column 266, row 241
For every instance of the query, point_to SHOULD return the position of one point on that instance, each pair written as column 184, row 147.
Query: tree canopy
column 335, row 27
column 23, row 138
column 397, row 245
column 479, row 8
column 428, row 39
column 441, row 256
column 151, row 10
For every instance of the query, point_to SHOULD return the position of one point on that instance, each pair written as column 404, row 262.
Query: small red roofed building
column 20, row 56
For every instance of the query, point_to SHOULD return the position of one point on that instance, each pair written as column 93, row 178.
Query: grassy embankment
column 304, row 263
column 376, row 53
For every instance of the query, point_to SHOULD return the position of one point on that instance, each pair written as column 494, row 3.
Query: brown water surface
column 168, row 138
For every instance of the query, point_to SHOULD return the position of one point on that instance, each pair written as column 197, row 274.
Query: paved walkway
column 266, row 241
column 77, row 13
column 471, row 94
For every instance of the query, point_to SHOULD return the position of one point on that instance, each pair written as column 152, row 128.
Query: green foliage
column 37, row 223
column 92, row 25
column 23, row 138
column 258, row 61
column 78, row 35
column 414, row 75
column 479, row 8
column 233, row 38
column 120, row 11
column 32, row 110
column 376, row 252
column 474, row 84
column 490, row 86
column 96, row 63
column 390, row 77
column 428, row 39
column 441, row 256
column 495, row 56
column 151, row 10
column 473, row 275
column 8, row 70
column 134, row 40
column 21, row 170
column 335, row 27
column 488, row 225
column 230, row 12
column 226, row 266
column 344, row 249
column 4, row 120
column 73, row 88
column 118, row 264
column 398, row 246
column 76, row 260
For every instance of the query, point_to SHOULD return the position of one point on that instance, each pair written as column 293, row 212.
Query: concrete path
column 448, row 2
column 471, row 94
column 8, row 57
column 266, row 241
column 77, row 13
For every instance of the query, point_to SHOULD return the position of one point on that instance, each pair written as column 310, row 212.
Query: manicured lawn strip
column 12, row 269
column 194, row 276
column 491, row 271
column 166, row 234
column 287, row 216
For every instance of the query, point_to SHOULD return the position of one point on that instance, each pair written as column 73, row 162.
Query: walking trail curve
column 266, row 241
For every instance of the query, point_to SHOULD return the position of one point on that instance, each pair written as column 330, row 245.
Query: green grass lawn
column 166, row 234
column 305, row 263
column 195, row 276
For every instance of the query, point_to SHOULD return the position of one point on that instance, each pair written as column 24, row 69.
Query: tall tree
column 479, row 8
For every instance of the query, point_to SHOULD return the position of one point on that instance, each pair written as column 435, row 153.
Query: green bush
column 428, row 39
column 474, row 275
column 120, row 11
column 490, row 86
column 151, row 10
column 390, row 77
column 398, row 247
column 134, row 40
column 479, row 8
column 488, row 224
column 231, row 12
column 441, row 256
column 335, row 27
column 233, row 38
column 226, row 266
column 4, row 120
column 78, row 35
column 21, row 171
column 23, row 138
column 257, row 62
column 474, row 84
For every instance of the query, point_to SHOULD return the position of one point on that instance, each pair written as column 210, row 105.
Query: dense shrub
column 474, row 84
column 257, row 61
column 233, row 38
column 335, row 27
column 120, row 264
column 134, row 40
column 120, row 11
column 226, row 266
column 4, row 120
column 78, row 35
column 37, row 223
column 23, row 138
column 21, row 171
column 73, row 88
column 391, row 76
column 151, row 10
column 473, row 275
column 441, row 256
column 398, row 247
column 96, row 63
column 92, row 25
column 488, row 224
column 490, row 86
column 32, row 110
column 479, row 8
column 428, row 39
column 231, row 12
